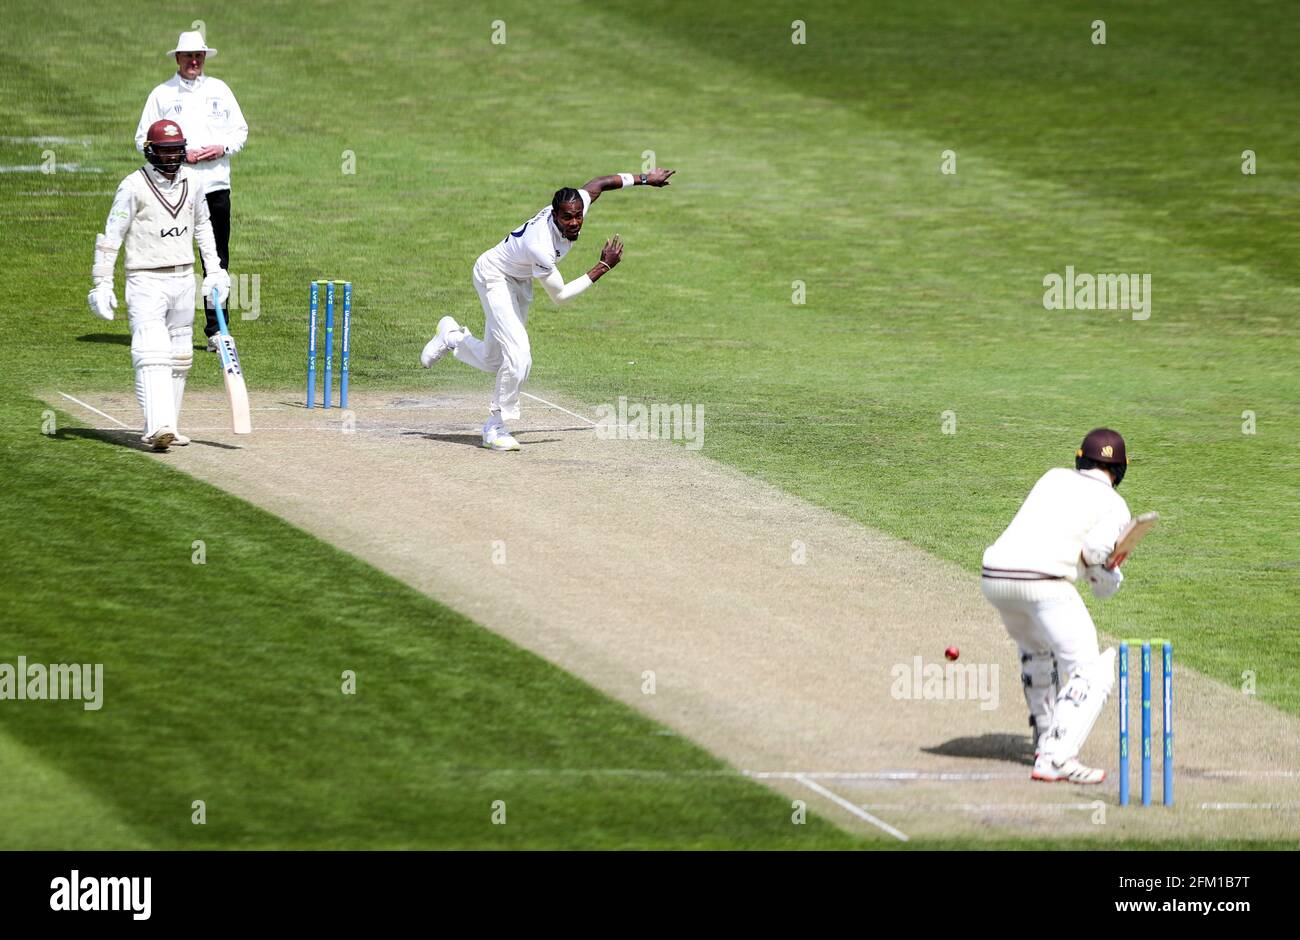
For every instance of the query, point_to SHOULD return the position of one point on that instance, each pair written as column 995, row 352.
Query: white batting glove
column 220, row 279
column 102, row 301
column 1105, row 581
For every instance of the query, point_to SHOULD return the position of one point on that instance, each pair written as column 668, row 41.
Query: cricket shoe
column 449, row 334
column 180, row 440
column 496, row 437
column 1068, row 771
column 212, row 344
column 161, row 439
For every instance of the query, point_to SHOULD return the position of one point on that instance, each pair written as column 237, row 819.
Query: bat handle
column 216, row 307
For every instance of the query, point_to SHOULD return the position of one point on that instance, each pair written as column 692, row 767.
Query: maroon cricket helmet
column 164, row 145
column 1104, row 448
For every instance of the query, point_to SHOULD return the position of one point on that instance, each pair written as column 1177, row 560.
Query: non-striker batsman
column 158, row 215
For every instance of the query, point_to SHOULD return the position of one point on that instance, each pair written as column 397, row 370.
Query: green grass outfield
column 817, row 163
column 223, row 683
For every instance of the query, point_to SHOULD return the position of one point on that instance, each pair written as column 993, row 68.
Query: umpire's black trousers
column 219, row 207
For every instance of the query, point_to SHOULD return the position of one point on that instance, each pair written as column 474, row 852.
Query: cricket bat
column 1132, row 534
column 236, row 391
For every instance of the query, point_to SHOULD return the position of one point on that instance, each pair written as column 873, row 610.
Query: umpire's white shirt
column 1067, row 514
column 208, row 114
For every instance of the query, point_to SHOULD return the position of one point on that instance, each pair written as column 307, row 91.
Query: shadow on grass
column 115, row 339
column 126, row 437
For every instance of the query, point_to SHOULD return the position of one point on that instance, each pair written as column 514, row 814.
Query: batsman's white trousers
column 504, row 348
column 160, row 307
column 1044, row 616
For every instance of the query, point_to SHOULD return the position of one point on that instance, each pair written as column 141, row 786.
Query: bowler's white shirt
column 1068, row 514
column 208, row 114
column 531, row 250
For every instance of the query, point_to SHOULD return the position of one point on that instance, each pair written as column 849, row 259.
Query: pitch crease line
column 982, row 807
column 879, row 775
column 96, row 411
column 552, row 404
column 1264, row 806
column 852, row 808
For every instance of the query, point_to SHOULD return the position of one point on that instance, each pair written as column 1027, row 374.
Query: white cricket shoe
column 1068, row 771
column 496, row 437
column 180, row 440
column 212, row 344
column 161, row 439
column 448, row 335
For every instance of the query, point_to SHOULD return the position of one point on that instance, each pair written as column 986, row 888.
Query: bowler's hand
column 612, row 253
column 658, row 177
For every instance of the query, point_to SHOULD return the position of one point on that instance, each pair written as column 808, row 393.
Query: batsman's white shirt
column 160, row 220
column 208, row 114
column 531, row 250
column 1068, row 514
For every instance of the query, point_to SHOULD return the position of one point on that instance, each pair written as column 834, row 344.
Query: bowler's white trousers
column 504, row 348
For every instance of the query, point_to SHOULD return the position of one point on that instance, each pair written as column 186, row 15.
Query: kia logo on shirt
column 173, row 232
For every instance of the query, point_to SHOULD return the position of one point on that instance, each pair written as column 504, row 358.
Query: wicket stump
column 1167, row 720
column 313, row 313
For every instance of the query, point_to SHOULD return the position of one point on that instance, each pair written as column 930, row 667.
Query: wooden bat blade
column 1133, row 533
column 236, row 391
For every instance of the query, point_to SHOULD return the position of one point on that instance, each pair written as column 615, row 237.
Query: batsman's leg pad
column 1078, row 706
column 1041, row 685
column 151, row 355
column 182, row 338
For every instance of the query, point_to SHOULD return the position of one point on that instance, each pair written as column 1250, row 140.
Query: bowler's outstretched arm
column 655, row 177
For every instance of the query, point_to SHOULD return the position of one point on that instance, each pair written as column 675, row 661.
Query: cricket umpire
column 214, row 129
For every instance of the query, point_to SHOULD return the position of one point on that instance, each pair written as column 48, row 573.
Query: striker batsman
column 158, row 213
column 503, row 278
column 1065, row 530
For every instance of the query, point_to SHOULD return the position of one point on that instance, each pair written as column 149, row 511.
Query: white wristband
column 628, row 179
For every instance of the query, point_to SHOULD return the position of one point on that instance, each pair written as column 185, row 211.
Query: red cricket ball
column 951, row 654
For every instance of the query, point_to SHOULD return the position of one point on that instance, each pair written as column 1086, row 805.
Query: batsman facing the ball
column 1066, row 529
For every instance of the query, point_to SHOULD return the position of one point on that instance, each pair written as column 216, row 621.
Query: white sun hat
column 192, row 42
